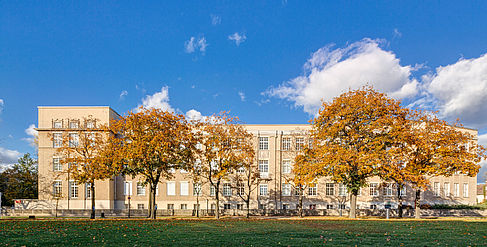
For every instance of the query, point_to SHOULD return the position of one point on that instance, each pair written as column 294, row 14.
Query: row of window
column 73, row 189
column 446, row 189
column 57, row 140
column 73, row 124
column 286, row 143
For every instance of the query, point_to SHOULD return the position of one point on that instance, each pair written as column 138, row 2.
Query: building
column 275, row 157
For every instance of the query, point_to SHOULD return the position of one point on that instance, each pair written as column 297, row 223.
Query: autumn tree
column 19, row 181
column 352, row 137
column 82, row 150
column 151, row 143
column 221, row 139
column 427, row 147
column 305, row 173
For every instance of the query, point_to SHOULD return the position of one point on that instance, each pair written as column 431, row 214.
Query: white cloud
column 8, row 157
column 483, row 140
column 460, row 90
column 242, row 96
column 159, row 100
column 330, row 72
column 193, row 44
column 396, row 34
column 215, row 19
column 194, row 115
column 32, row 133
column 1, row 105
column 238, row 38
column 123, row 94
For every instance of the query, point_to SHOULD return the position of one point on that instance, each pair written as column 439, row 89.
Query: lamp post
column 129, row 207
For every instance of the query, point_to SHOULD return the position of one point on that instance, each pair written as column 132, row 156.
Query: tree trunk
column 417, row 209
column 399, row 201
column 248, row 206
column 153, row 195
column 92, row 199
column 301, row 203
column 217, row 194
column 198, row 204
column 149, row 214
column 353, row 205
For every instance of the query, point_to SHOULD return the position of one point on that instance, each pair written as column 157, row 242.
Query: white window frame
column 184, row 188
column 57, row 188
column 73, row 189
column 342, row 190
column 73, row 124
column 73, row 140
column 240, row 188
column 286, row 166
column 263, row 189
column 263, row 143
column 140, row 189
column 286, row 143
column 227, row 189
column 170, row 188
column 465, row 190
column 197, row 189
column 57, row 124
column 330, row 189
column 313, row 189
column 127, row 188
column 212, row 190
column 436, row 188
column 446, row 189
column 87, row 190
column 456, row 190
column 264, row 168
column 374, row 189
column 387, row 190
column 299, row 143
column 56, row 164
column 57, row 140
column 286, row 189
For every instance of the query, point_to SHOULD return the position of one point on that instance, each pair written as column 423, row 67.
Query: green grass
column 238, row 232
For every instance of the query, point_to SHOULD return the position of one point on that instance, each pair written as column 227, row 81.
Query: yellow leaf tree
column 351, row 134
column 151, row 143
column 306, row 170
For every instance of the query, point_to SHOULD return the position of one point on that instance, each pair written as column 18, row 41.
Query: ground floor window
column 184, row 206
column 227, row 206
column 140, row 206
column 329, row 206
column 312, row 206
column 170, row 206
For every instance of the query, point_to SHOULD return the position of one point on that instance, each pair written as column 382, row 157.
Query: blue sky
column 265, row 61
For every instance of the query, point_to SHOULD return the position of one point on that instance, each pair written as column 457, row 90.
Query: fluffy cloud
column 123, row 94
column 194, row 115
column 194, row 44
column 8, row 157
column 1, row 105
column 215, row 20
column 32, row 133
column 330, row 72
column 158, row 100
column 238, row 38
column 242, row 96
column 460, row 91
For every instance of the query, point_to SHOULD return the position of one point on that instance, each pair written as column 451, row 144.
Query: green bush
column 449, row 206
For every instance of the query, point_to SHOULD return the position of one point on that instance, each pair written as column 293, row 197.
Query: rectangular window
column 403, row 191
column 299, row 143
column 73, row 124
column 446, row 189
column 465, row 190
column 196, row 206
column 184, row 206
column 127, row 189
column 56, row 165
column 387, row 190
column 240, row 188
column 73, row 139
column 298, row 190
column 57, row 140
column 436, row 188
column 286, row 166
column 264, row 168
column 171, row 188
column 263, row 189
column 140, row 189
column 227, row 189
column 90, row 124
column 456, row 189
column 212, row 190
column 184, row 188
column 329, row 206
column 227, row 206
column 342, row 190
column 73, row 189
column 312, row 190
column 140, row 206
column 57, row 188
column 88, row 190
column 240, row 206
column 197, row 189
column 263, row 143
column 373, row 189
column 330, row 189
column 286, row 143
column 57, row 124
column 170, row 206
column 241, row 170
column 286, row 189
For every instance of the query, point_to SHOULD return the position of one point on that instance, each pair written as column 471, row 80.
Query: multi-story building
column 276, row 147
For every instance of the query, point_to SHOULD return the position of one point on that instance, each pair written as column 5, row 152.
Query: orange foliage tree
column 306, row 169
column 352, row 135
column 151, row 143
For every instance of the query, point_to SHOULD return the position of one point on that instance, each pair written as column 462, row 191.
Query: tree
column 305, row 173
column 151, row 143
column 221, row 155
column 427, row 147
column 19, row 181
column 82, row 150
column 351, row 135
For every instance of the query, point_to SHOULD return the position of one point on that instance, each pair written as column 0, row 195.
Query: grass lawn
column 238, row 232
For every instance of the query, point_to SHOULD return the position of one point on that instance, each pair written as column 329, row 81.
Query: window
column 387, row 190
column 330, row 189
column 341, row 206
column 127, row 190
column 57, row 124
column 465, row 190
column 88, row 190
column 312, row 206
column 446, row 189
column 184, row 206
column 241, row 170
column 312, row 190
column 240, row 188
column 263, row 143
column 456, row 189
column 140, row 189
column 196, row 206
column 57, row 189
column 227, row 189
column 171, row 188
column 170, row 206
column 286, row 166
column 73, row 124
column 73, row 189
column 264, row 168
column 240, row 206
column 227, row 206
column 285, row 206
column 329, row 206
column 436, row 188
column 73, row 140
column 286, row 189
column 214, row 166
column 298, row 190
column 263, row 189
column 212, row 190
column 342, row 190
column 57, row 141
column 403, row 191
column 373, row 189
column 140, row 206
column 56, row 165
column 286, row 143
column 90, row 124
column 184, row 188
column 299, row 143
column 197, row 189
column 373, row 206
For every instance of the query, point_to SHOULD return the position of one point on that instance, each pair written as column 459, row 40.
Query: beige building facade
column 275, row 146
